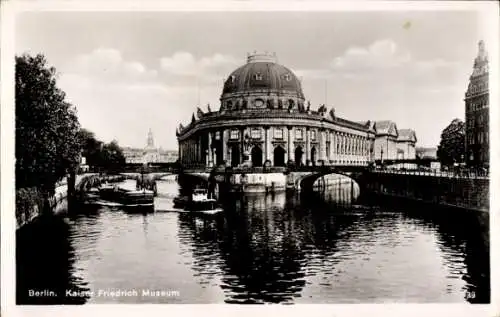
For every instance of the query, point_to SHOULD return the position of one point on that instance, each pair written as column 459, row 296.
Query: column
column 342, row 144
column 322, row 145
column 290, row 144
column 200, row 149
column 210, row 157
column 267, row 145
column 191, row 158
column 180, row 151
column 230, row 156
column 224, row 139
column 242, row 147
column 332, row 145
column 308, row 145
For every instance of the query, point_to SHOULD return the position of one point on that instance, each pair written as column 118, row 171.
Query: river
column 277, row 248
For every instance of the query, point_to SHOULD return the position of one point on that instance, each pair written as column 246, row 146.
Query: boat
column 198, row 203
column 127, row 197
column 89, row 197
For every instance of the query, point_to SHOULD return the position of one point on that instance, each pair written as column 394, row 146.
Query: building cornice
column 217, row 120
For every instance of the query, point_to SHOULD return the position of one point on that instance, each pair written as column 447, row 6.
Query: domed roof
column 263, row 73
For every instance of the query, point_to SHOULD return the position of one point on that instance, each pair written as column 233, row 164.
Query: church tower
column 150, row 142
column 477, row 112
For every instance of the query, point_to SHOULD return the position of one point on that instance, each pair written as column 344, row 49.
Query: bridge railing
column 437, row 173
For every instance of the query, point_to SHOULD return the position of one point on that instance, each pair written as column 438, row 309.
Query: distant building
column 149, row 154
column 392, row 143
column 477, row 112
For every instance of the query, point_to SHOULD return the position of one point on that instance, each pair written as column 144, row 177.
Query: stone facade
column 477, row 112
column 264, row 120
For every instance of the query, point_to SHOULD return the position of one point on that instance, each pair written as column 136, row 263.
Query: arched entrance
column 279, row 156
column 235, row 155
column 298, row 155
column 313, row 156
column 256, row 155
column 218, row 154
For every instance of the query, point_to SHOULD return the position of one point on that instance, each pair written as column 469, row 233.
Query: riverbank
column 30, row 202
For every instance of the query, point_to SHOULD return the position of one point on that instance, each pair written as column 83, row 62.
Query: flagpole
column 326, row 92
column 198, row 88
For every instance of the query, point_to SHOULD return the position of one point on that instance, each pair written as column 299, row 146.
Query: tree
column 451, row 148
column 112, row 157
column 46, row 126
column 108, row 157
column 91, row 147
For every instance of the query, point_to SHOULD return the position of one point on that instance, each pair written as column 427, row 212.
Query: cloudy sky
column 129, row 72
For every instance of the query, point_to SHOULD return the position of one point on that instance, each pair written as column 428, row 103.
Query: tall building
column 477, row 112
column 264, row 118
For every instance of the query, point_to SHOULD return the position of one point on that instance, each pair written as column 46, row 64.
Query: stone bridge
column 469, row 191
column 259, row 179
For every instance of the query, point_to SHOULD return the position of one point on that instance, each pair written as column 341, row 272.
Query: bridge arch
column 306, row 182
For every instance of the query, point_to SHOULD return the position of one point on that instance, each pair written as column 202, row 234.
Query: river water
column 263, row 249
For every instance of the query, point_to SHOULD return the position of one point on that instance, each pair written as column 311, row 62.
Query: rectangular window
column 278, row 133
column 298, row 134
column 235, row 134
column 256, row 134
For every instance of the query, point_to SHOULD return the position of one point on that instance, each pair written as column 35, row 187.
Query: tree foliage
column 451, row 148
column 46, row 126
column 107, row 157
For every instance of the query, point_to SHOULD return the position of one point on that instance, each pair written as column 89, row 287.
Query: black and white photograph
column 250, row 155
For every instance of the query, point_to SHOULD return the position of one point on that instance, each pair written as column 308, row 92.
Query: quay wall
column 457, row 192
column 30, row 203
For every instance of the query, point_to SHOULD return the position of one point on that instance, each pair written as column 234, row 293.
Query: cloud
column 205, row 68
column 108, row 63
column 382, row 54
column 118, row 98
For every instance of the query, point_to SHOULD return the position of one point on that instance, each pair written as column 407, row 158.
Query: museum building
column 264, row 119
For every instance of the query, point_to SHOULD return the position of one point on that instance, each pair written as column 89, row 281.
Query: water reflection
column 285, row 248
column 280, row 248
column 463, row 237
column 45, row 263
column 258, row 242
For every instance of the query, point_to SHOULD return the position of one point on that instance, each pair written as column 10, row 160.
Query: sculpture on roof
column 208, row 108
column 332, row 113
column 199, row 112
column 322, row 109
